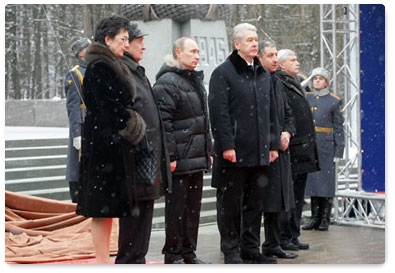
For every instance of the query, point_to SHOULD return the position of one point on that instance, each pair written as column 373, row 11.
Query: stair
column 37, row 167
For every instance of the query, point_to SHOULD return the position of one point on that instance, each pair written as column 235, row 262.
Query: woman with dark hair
column 111, row 128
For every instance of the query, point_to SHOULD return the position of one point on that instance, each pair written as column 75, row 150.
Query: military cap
column 80, row 45
column 135, row 31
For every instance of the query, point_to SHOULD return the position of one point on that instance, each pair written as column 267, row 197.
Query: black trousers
column 134, row 235
column 182, row 215
column 272, row 230
column 238, row 217
column 290, row 221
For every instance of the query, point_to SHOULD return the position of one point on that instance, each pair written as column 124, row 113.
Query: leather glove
column 77, row 142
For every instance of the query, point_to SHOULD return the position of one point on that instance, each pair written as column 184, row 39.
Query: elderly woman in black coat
column 111, row 128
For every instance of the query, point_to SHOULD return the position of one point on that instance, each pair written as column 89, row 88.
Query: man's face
column 269, row 59
column 136, row 48
column 319, row 82
column 247, row 46
column 291, row 65
column 188, row 57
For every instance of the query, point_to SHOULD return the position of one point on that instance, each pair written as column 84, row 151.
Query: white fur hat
column 319, row 71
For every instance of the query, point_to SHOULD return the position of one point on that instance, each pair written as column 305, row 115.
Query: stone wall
column 36, row 113
column 209, row 35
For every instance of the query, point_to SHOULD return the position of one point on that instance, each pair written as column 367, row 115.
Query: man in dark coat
column 135, row 232
column 246, row 140
column 304, row 157
column 182, row 101
column 328, row 120
column 76, row 114
column 278, row 195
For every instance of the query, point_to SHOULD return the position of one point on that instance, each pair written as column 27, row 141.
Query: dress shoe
column 233, row 259
column 289, row 246
column 279, row 253
column 300, row 245
column 258, row 258
column 194, row 260
column 178, row 261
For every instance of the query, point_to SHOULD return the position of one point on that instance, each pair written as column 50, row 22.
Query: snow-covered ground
column 21, row 132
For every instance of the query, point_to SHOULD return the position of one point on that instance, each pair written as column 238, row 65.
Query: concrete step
column 38, row 167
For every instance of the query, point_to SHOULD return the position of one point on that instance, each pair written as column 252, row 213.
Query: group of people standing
column 266, row 145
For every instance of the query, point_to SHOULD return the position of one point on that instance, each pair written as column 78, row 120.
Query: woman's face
column 119, row 44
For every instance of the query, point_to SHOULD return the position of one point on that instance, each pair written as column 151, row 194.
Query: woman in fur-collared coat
column 111, row 128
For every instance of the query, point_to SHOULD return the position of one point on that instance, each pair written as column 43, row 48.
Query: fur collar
column 171, row 62
column 99, row 52
column 240, row 64
column 322, row 92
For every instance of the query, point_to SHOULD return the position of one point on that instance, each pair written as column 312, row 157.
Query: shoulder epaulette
column 79, row 74
column 333, row 95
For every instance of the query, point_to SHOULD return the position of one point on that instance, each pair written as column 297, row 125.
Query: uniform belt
column 323, row 129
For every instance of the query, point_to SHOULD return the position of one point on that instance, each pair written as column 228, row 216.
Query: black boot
column 326, row 214
column 315, row 219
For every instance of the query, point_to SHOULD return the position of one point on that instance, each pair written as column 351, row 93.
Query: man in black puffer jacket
column 182, row 101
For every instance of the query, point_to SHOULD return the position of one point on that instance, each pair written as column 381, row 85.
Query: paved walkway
column 339, row 245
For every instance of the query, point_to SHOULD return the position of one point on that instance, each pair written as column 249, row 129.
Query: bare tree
column 38, row 39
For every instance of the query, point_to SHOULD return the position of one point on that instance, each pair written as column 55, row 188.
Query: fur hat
column 80, row 45
column 319, row 71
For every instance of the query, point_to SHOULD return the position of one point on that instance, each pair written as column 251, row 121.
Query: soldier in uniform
column 328, row 121
column 75, row 112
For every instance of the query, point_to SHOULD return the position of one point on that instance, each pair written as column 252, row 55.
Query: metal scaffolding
column 340, row 54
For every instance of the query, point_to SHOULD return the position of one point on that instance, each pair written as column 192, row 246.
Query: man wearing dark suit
column 246, row 140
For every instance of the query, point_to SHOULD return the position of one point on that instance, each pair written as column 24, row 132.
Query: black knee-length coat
column 278, row 194
column 242, row 114
column 303, row 147
column 105, row 184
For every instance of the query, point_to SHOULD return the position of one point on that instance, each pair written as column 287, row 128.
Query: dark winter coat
column 304, row 157
column 75, row 114
column 105, row 176
column 242, row 114
column 146, row 106
column 278, row 194
column 182, row 101
column 328, row 121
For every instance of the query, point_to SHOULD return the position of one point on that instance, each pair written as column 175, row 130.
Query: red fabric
column 40, row 230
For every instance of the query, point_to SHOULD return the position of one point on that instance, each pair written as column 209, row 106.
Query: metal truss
column 340, row 54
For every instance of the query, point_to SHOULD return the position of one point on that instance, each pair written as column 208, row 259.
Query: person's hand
column 336, row 159
column 77, row 142
column 285, row 138
column 273, row 155
column 173, row 166
column 229, row 155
